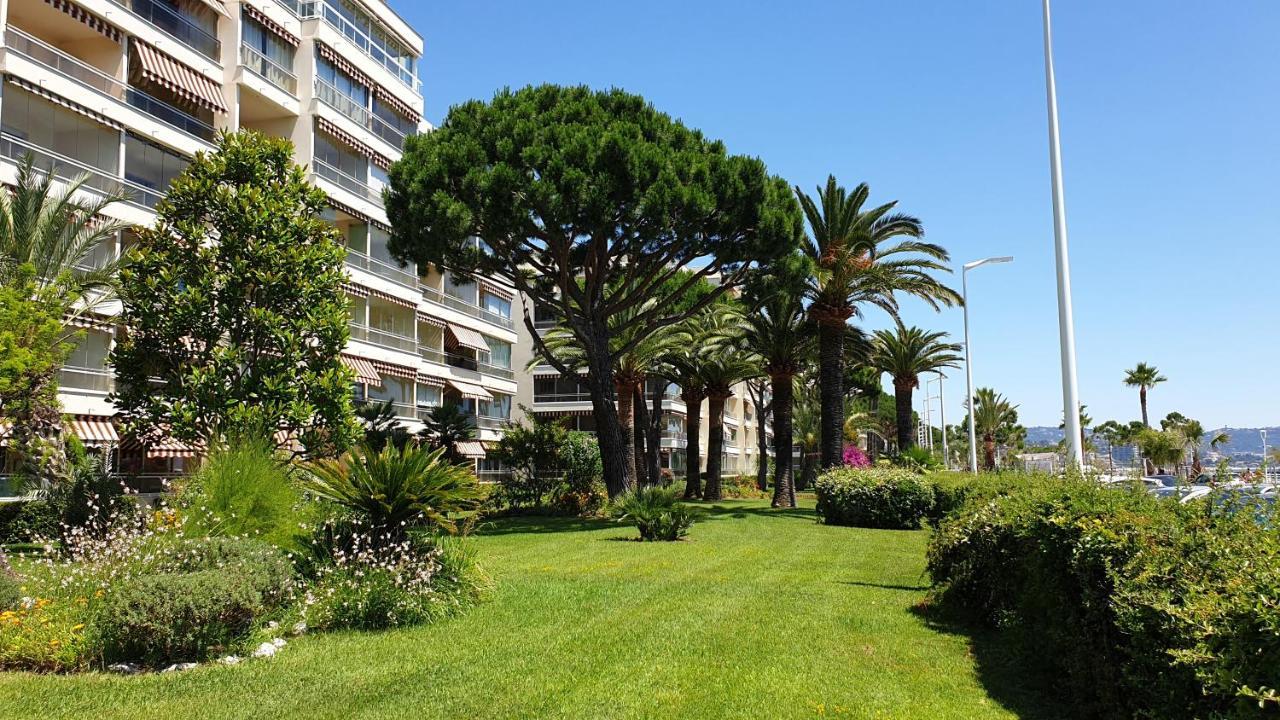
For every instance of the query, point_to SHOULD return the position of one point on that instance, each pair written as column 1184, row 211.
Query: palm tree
column 382, row 425
column 1193, row 434
column 856, row 262
column 1144, row 377
column 906, row 353
column 807, row 422
column 1111, row 433
column 445, row 427
column 52, row 235
column 993, row 416
column 1163, row 448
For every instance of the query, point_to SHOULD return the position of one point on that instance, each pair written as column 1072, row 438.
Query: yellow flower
column 77, row 627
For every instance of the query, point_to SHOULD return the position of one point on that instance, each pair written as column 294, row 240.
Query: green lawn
column 760, row 614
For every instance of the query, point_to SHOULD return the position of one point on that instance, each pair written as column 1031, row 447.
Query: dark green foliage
column 243, row 490
column 919, row 458
column 381, row 426
column 887, row 498
column 445, row 427
column 234, row 302
column 532, row 455
column 10, row 590
column 1140, row 607
column 91, row 500
column 28, row 521
column 656, row 512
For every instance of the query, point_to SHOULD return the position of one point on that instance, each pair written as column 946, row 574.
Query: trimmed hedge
column 887, row 498
column 1140, row 607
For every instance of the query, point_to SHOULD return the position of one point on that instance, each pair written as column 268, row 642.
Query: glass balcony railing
column 383, row 338
column 90, row 77
column 403, row 409
column 269, row 70
column 66, row 169
column 574, row 397
column 375, row 48
column 177, row 24
column 447, row 300
column 100, row 380
column 401, row 276
column 346, row 182
column 357, row 113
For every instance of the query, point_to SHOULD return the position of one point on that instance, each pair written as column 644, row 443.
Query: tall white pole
column 942, row 411
column 968, row 371
column 1066, row 324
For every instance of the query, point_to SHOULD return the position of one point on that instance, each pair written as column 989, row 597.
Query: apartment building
column 544, row 393
column 127, row 91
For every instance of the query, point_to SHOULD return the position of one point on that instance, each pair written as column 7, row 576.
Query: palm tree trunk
column 639, row 431
column 831, row 387
column 626, row 411
column 902, row 391
column 715, row 445
column 989, row 452
column 693, row 446
column 1142, row 398
column 784, row 493
column 762, row 448
column 654, row 434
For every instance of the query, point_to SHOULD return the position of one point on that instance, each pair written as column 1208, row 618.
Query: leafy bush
column 532, row 455
column 741, row 487
column 28, row 521
column 1141, row 607
column 583, row 473
column 242, row 490
column 90, row 500
column 656, row 512
column 918, row 458
column 888, row 498
column 10, row 590
column 855, row 457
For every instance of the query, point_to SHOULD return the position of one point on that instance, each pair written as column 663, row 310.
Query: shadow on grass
column 716, row 511
column 518, row 524
column 1007, row 664
column 885, row 586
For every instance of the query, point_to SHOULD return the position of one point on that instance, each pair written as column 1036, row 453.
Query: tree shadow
column 714, row 510
column 884, row 586
column 541, row 524
column 1007, row 663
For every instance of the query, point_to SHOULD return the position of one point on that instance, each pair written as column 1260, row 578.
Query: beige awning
column 270, row 24
column 94, row 430
column 179, row 78
column 75, row 107
column 102, row 26
column 170, row 448
column 469, row 448
column 467, row 338
column 218, row 7
column 468, row 390
column 364, row 370
column 393, row 370
column 352, row 142
column 395, row 103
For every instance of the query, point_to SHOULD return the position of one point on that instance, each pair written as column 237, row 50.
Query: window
column 356, row 309
column 267, row 43
column 355, row 92
column 399, row 124
column 465, row 291
column 150, row 165
column 496, row 305
column 91, row 351
column 46, row 125
column 337, row 156
column 391, row 318
column 428, row 395
column 498, row 407
column 395, row 389
column 499, row 353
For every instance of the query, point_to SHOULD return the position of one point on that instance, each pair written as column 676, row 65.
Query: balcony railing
column 65, row 169
column 374, row 336
column 336, row 99
column 358, row 37
column 269, row 69
column 461, row 305
column 468, row 363
column 176, row 24
column 346, row 182
column 431, row 354
column 82, row 378
column 90, row 77
column 403, row 409
column 562, row 397
column 385, row 130
column 401, row 276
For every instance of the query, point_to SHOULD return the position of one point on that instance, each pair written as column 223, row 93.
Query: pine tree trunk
column 654, row 434
column 639, row 430
column 614, row 441
column 784, row 494
column 902, row 390
column 715, row 445
column 693, row 446
column 831, row 387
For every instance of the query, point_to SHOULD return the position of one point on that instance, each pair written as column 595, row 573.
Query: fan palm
column 1144, row 377
column 445, row 427
column 857, row 262
column 993, row 416
column 906, row 353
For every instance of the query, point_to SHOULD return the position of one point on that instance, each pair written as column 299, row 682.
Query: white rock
column 273, row 625
column 265, row 650
column 125, row 668
column 299, row 627
column 178, row 667
column 230, row 660
column 279, row 642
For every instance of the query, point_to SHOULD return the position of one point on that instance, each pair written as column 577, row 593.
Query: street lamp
column 1066, row 324
column 968, row 354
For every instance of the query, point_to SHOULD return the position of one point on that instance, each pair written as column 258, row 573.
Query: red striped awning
column 347, row 139
column 341, row 63
column 88, row 322
column 351, row 288
column 393, row 370
column 384, row 96
column 428, row 320
column 469, row 448
column 362, row 217
column 170, row 448
column 563, row 413
column 276, row 28
column 468, row 390
column 430, row 380
column 217, row 6
column 181, row 79
column 466, row 337
column 93, row 21
column 364, row 370
column 94, row 430
column 388, row 297
column 56, row 99
column 497, row 290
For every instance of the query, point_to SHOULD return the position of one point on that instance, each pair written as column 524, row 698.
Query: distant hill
column 1040, row 435
column 1245, row 444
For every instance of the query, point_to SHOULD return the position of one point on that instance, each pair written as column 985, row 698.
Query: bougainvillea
column 854, row 457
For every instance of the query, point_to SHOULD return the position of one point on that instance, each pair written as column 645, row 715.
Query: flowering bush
column 46, row 635
column 854, row 457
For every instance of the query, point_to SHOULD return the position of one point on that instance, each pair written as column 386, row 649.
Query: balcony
column 269, row 70
column 383, row 338
column 177, row 25
column 308, row 9
column 403, row 410
column 575, row 397
column 431, row 354
column 352, row 185
column 99, row 82
column 449, row 301
column 359, row 114
column 66, row 169
column 98, row 380
column 400, row 276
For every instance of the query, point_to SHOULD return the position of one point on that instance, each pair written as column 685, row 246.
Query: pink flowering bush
column 854, row 457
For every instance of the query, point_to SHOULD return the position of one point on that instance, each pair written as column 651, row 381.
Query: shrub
column 656, row 512
column 242, row 490
column 28, row 521
column 89, row 501
column 45, row 635
column 855, row 457
column 532, row 454
column 741, row 487
column 887, row 498
column 10, row 590
column 918, row 458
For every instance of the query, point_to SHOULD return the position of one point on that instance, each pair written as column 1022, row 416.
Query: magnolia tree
column 589, row 203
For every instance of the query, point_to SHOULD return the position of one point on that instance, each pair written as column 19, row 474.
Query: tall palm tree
column 858, row 261
column 993, row 415
column 906, row 353
column 1193, row 434
column 1144, row 377
column 52, row 234
column 685, row 364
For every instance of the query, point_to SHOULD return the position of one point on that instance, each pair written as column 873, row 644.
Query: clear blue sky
column 1169, row 119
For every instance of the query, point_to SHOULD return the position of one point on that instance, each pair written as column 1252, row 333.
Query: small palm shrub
column 918, row 458
column 656, row 512
column 242, row 490
column 887, row 498
column 396, row 489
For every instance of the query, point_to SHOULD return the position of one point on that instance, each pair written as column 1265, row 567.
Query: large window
column 400, row 125
column 558, row 389
column 391, row 318
column 496, row 305
column 91, row 351
column 465, row 291
column 428, row 395
column 343, row 83
column 498, row 407
column 150, row 165
column 499, row 352
column 392, row 52
column 54, row 128
column 336, row 156
column 267, row 43
column 393, row 389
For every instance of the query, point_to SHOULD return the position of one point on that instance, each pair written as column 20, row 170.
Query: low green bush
column 656, row 512
column 1139, row 607
column 10, row 590
column 741, row 487
column 886, row 498
column 28, row 521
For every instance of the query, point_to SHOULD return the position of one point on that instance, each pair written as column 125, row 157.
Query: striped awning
column 428, row 320
column 469, row 448
column 388, row 297
column 497, row 290
column 468, row 390
column 466, row 337
column 93, row 21
column 94, row 430
column 169, row 448
column 563, row 413
column 364, row 370
column 56, row 99
column 431, row 380
column 384, row 96
column 276, row 28
column 217, row 6
column 181, row 79
column 351, row 288
column 350, row 141
column 334, row 57
column 549, row 371
column 88, row 322
column 393, row 370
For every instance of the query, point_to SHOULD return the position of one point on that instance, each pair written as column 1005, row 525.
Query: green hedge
column 890, row 498
column 1140, row 607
